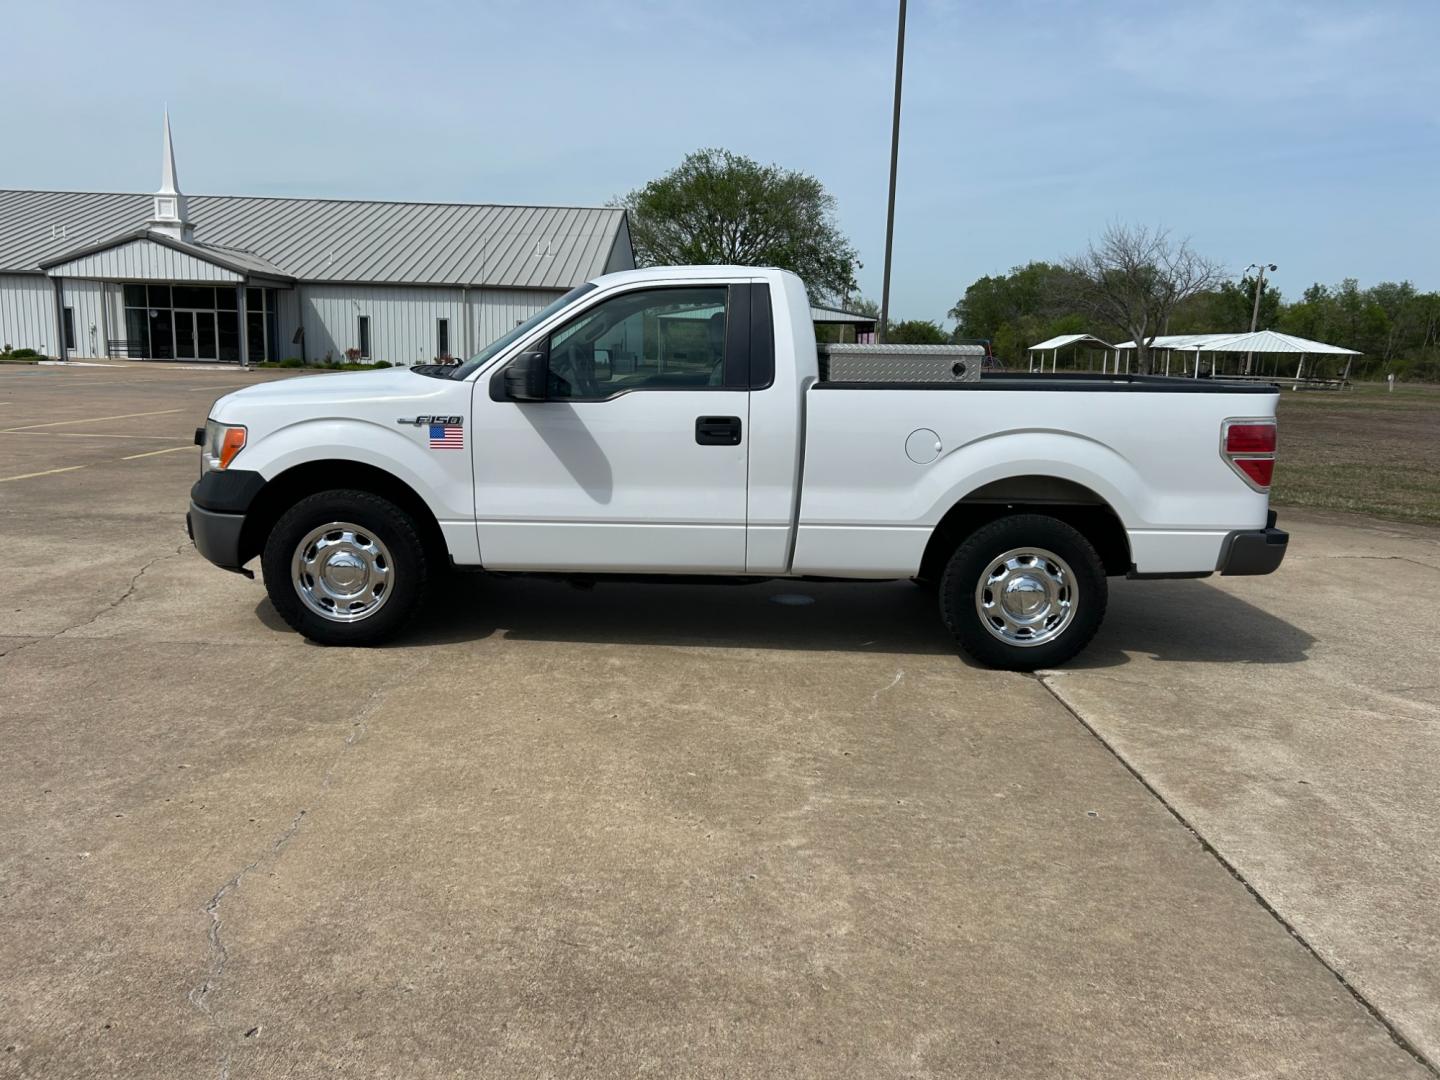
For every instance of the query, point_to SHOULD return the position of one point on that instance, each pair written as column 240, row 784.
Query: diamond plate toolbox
column 901, row 363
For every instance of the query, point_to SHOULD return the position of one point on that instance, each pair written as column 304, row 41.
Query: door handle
column 717, row 430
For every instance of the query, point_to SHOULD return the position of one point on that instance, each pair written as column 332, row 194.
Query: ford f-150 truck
column 680, row 421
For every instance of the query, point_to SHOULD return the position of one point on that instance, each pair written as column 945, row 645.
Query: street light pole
column 1255, row 310
column 894, row 162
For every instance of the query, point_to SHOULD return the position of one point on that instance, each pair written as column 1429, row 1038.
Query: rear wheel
column 345, row 568
column 1024, row 592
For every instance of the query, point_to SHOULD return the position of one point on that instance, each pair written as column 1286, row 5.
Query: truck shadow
column 1192, row 621
column 1166, row 620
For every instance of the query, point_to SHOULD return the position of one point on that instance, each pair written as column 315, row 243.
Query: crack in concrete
column 199, row 995
column 106, row 609
column 21, row 641
column 887, row 687
column 1396, row 1036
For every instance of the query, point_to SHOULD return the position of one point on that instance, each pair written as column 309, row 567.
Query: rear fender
column 1008, row 455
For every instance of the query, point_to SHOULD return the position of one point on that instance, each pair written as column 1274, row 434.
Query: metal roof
column 1065, row 340
column 1262, row 341
column 822, row 314
column 75, row 263
column 341, row 240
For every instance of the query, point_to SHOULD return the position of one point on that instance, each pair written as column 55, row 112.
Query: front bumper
column 216, row 536
column 216, row 519
column 1254, row 551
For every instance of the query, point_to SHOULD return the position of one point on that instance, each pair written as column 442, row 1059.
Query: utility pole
column 894, row 161
column 1255, row 311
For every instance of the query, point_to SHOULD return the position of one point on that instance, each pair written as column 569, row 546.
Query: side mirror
column 527, row 377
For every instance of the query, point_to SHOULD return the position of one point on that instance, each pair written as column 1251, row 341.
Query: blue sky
column 1303, row 133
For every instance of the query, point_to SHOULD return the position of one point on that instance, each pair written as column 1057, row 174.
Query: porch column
column 244, row 325
column 59, row 286
column 105, row 319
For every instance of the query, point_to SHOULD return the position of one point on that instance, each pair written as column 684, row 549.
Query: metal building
column 221, row 278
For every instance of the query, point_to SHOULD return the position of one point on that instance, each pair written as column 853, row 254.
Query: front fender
column 442, row 477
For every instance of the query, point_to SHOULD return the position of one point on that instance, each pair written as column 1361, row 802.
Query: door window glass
column 649, row 339
column 205, row 335
column 227, row 327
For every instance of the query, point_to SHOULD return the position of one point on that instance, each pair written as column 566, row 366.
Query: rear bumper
column 1254, row 551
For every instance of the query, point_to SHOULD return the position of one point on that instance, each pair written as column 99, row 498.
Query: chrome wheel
column 342, row 572
column 1026, row 597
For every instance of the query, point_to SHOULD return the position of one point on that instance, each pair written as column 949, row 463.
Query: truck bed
column 1078, row 382
column 883, row 462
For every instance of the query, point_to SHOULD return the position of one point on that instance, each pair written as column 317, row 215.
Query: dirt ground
column 1365, row 450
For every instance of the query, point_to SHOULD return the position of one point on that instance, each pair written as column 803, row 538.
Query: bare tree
column 1134, row 277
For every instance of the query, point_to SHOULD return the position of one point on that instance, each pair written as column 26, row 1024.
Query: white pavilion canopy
column 1262, row 341
column 1065, row 341
column 1187, row 349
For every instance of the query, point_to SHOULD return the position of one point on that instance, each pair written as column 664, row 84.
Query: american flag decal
column 447, row 437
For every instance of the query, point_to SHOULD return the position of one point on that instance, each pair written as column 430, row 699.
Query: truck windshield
column 520, row 331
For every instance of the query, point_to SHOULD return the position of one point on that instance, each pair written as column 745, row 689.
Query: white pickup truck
column 676, row 422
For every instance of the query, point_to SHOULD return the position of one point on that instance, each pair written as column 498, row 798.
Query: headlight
column 222, row 443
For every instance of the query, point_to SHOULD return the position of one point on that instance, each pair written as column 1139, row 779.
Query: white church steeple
column 171, row 216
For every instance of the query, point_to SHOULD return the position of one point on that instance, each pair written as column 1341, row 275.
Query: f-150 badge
column 446, row 432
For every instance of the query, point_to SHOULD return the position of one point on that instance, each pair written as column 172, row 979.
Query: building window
column 442, row 339
column 259, row 321
column 364, row 327
column 69, row 328
column 196, row 322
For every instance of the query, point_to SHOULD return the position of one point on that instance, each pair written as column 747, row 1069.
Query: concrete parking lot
column 691, row 831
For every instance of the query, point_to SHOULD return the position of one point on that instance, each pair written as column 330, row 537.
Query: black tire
column 391, row 526
column 1085, row 587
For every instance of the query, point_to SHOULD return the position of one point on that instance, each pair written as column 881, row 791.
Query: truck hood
column 335, row 390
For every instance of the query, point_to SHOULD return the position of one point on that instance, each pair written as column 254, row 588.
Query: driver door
column 636, row 460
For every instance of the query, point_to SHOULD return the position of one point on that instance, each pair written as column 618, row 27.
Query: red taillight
column 1259, row 470
column 1250, row 439
column 1248, row 447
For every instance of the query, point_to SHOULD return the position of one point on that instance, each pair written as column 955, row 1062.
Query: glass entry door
column 195, row 335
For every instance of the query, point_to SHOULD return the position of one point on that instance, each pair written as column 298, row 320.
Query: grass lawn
column 1365, row 450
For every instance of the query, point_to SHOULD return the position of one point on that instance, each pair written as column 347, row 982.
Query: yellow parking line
column 96, row 419
column 85, row 435
column 47, row 472
column 152, row 453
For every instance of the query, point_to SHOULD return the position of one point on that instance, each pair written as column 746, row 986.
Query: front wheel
column 1023, row 592
column 345, row 568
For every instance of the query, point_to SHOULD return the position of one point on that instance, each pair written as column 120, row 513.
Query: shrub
column 381, row 363
column 292, row 362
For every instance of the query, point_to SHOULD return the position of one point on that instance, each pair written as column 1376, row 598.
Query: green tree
column 1032, row 290
column 861, row 305
column 916, row 332
column 716, row 207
